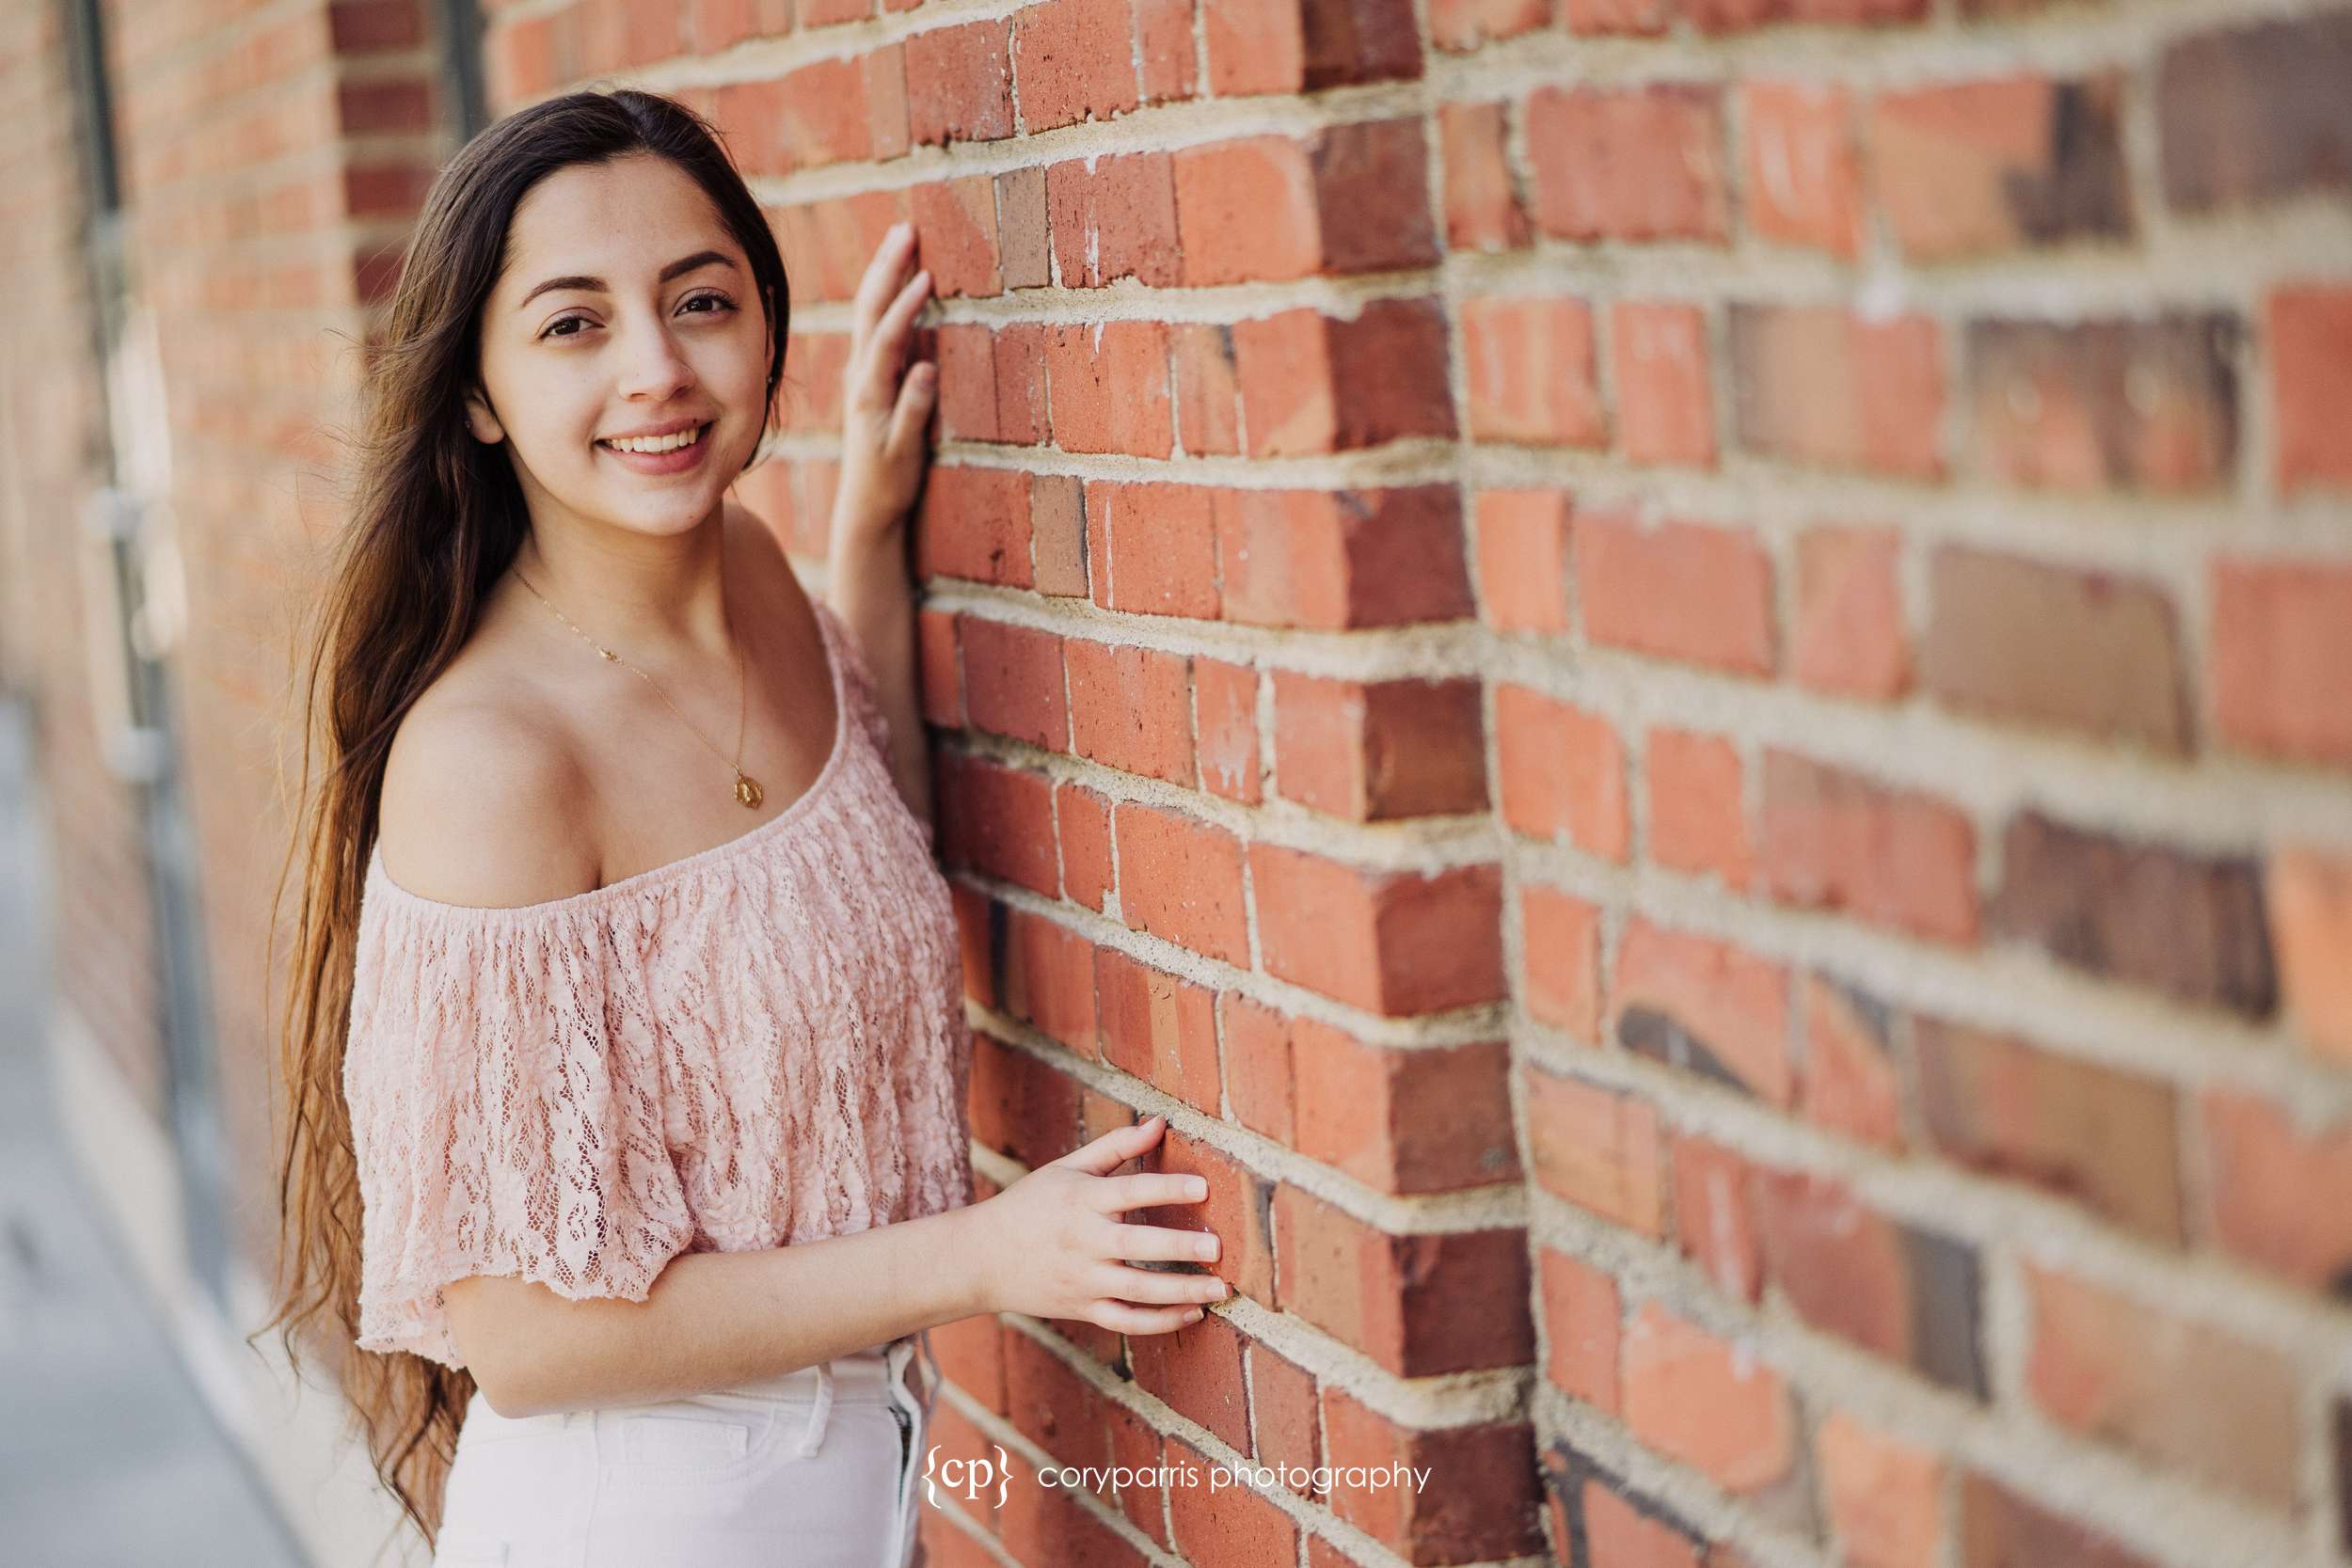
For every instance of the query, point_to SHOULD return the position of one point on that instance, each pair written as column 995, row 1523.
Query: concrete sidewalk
column 109, row 1458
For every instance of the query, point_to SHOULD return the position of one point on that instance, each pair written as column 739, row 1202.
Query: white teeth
column 658, row 443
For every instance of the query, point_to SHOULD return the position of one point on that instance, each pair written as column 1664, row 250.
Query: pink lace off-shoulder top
column 760, row 1044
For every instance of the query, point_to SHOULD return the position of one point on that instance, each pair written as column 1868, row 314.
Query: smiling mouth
column 657, row 446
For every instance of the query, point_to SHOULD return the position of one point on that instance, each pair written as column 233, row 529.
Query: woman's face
column 626, row 307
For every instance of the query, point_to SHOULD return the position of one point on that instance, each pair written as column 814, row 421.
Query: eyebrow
column 679, row 268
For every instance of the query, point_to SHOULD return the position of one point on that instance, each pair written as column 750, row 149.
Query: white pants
column 813, row 1470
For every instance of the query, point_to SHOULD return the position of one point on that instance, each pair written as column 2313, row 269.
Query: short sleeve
column 502, row 1081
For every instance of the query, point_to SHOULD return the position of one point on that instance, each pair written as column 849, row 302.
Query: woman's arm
column 714, row 1319
column 885, row 417
column 1050, row 1245
column 868, row 588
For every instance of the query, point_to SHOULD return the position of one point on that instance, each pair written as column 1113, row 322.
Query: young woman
column 625, row 1058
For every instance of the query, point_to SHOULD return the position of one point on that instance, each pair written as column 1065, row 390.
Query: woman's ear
column 479, row 419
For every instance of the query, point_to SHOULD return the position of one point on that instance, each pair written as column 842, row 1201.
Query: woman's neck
column 637, row 594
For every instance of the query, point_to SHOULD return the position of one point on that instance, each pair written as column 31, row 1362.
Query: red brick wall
column 1681, row 678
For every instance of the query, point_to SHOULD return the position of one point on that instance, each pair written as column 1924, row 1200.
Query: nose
column 655, row 369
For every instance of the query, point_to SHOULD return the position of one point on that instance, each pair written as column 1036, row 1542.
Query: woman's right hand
column 1051, row 1244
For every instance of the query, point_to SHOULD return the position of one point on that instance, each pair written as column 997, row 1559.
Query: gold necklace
column 747, row 788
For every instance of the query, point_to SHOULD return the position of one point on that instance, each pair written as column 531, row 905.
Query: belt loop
column 823, row 1407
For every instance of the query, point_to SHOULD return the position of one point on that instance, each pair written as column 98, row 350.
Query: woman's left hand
column 885, row 405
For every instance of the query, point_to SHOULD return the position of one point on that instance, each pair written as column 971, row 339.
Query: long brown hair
column 435, row 517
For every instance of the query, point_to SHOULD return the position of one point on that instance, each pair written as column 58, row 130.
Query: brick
column 1420, row 1306
column 1849, row 637
column 1289, row 46
column 1559, row 937
column 1163, row 45
column 1393, row 942
column 2179, row 1391
column 1459, row 26
column 1181, row 880
column 1714, row 1222
column 980, row 940
column 1024, row 229
column 1435, row 1118
column 2309, row 903
column 2106, row 404
column 2105, row 1139
column 1725, row 16
column 2281, row 643
column 1479, row 1499
column 1836, row 839
column 2308, row 331
column 1563, row 773
column 1703, row 1007
column 1529, row 373
column 1885, row 1497
column 999, row 820
column 1057, row 551
column 1524, row 559
column 1313, row 383
column 1208, row 393
column 974, row 523
column 2000, row 1529
column 1198, row 1374
column 1233, row 1529
column 966, row 357
column 1677, row 590
column 1225, row 720
column 1966, row 169
column 1021, row 1106
column 1333, row 560
column 1049, row 1403
column 1375, row 750
column 956, row 219
column 1082, row 823
column 1041, row 1521
column 1850, row 1082
column 1665, row 393
column 1483, row 209
column 1597, row 1148
column 1285, row 1423
column 1802, row 188
column 1108, row 388
column 1131, row 709
column 1712, row 1405
column 1629, row 163
column 1814, row 383
column 1140, row 1447
column 1014, row 681
column 1696, row 818
column 1072, row 61
column 1255, row 1047
column 2278, row 1194
column 1158, row 1027
column 1151, row 548
column 1351, row 199
column 2133, row 910
column 960, row 83
column 1623, row 1533
column 1582, row 1317
column 1020, row 407
column 821, row 115
column 939, row 676
column 1896, row 1290
column 2042, row 644
column 2256, row 114
column 1049, row 979
column 1113, row 217
column 1644, row 17
column 1238, row 1211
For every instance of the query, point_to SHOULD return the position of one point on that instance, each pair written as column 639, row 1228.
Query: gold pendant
column 747, row 790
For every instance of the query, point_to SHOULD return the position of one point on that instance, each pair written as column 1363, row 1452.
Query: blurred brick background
column 1678, row 672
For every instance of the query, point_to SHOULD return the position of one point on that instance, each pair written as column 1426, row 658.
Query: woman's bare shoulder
column 484, row 793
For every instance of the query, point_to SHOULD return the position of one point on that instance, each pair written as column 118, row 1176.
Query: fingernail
column 1194, row 1316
